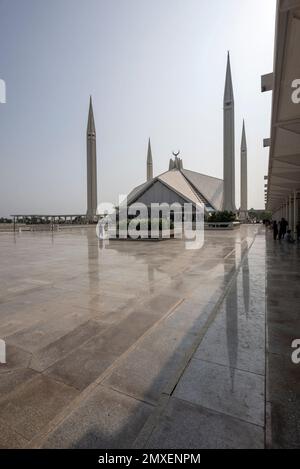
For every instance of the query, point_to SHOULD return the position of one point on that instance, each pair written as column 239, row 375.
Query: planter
column 227, row 226
column 147, row 237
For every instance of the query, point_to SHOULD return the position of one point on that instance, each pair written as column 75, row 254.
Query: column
column 295, row 211
column 290, row 220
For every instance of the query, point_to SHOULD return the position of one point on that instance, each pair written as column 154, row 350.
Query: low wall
column 222, row 226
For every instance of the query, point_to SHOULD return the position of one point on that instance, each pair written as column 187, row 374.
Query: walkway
column 219, row 401
column 145, row 344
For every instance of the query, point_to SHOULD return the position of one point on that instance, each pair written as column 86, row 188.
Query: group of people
column 281, row 231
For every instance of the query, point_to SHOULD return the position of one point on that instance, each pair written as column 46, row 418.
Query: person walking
column 283, row 227
column 298, row 231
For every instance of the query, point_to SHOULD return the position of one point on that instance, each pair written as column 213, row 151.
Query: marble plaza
column 138, row 344
column 105, row 341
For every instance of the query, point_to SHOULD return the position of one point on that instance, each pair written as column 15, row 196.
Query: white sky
column 155, row 68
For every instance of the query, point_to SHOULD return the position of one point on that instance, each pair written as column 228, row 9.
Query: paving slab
column 77, row 311
column 223, row 389
column 10, row 439
column 10, row 380
column 16, row 358
column 166, row 348
column 43, row 333
column 29, row 407
column 184, row 425
column 57, row 350
column 235, row 339
column 104, row 420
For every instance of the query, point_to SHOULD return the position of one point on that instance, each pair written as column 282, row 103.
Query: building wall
column 159, row 193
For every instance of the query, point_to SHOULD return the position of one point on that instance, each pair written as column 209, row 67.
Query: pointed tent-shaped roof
column 193, row 187
column 177, row 182
column 228, row 92
column 211, row 188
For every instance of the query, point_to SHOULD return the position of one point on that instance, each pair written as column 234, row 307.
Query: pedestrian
column 275, row 230
column 283, row 227
column 288, row 237
column 298, row 231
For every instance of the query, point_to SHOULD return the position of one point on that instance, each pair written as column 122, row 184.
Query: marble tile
column 70, row 307
column 106, row 419
column 184, row 425
column 10, row 439
column 57, row 350
column 30, row 407
column 11, row 380
column 223, row 389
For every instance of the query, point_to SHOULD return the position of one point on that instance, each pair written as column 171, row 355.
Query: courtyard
column 146, row 344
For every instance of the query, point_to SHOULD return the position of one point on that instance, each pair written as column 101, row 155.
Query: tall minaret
column 244, row 180
column 149, row 163
column 229, row 144
column 91, row 165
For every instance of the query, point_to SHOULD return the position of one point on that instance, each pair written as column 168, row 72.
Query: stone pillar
column 295, row 211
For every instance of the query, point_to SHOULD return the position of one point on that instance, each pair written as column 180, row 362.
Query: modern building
column 179, row 185
column 282, row 186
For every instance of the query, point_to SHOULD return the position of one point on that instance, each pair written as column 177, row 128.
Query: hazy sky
column 154, row 67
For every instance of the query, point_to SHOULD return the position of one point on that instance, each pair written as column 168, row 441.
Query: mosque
column 180, row 185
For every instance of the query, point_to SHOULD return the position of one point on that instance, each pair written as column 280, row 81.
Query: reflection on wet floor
column 283, row 377
column 118, row 321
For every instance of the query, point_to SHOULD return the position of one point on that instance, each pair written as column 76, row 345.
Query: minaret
column 244, row 181
column 91, row 166
column 229, row 144
column 149, row 163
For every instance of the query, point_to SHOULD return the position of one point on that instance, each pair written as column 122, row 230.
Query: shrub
column 221, row 217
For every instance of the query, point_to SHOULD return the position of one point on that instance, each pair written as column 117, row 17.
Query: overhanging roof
column 284, row 160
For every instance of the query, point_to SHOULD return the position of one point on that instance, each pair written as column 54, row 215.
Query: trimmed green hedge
column 221, row 217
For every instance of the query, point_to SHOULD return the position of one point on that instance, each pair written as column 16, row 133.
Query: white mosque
column 180, row 185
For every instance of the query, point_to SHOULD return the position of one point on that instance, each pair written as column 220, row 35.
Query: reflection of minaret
column 231, row 314
column 229, row 139
column 91, row 165
column 232, row 329
column 94, row 301
column 149, row 163
column 246, row 285
column 244, row 188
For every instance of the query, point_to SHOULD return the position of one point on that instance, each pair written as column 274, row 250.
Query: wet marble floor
column 100, row 334
column 283, row 320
